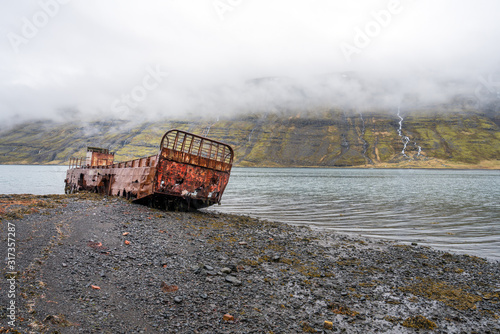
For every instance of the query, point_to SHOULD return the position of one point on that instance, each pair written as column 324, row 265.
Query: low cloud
column 83, row 60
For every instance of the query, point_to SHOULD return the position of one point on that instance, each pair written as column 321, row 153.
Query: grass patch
column 441, row 291
column 419, row 321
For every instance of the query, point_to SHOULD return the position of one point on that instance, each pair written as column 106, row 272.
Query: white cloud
column 91, row 52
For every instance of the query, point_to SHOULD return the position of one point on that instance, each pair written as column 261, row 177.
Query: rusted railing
column 141, row 162
column 188, row 148
column 176, row 145
column 189, row 171
column 76, row 162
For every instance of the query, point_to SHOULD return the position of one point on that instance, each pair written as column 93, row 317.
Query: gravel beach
column 91, row 264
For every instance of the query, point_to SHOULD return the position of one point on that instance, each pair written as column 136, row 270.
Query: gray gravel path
column 89, row 264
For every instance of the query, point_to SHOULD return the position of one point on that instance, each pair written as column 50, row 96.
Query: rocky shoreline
column 91, row 264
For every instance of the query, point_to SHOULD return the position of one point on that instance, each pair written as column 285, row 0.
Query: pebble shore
column 92, row 264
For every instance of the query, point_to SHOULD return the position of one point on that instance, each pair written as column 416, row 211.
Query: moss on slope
column 324, row 138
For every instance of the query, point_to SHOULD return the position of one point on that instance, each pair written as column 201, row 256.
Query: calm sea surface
column 453, row 210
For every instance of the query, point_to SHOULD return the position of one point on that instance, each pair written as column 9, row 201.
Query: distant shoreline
column 492, row 165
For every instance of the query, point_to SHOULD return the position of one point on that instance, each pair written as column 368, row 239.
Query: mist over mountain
column 317, row 83
column 457, row 136
column 351, row 92
column 89, row 61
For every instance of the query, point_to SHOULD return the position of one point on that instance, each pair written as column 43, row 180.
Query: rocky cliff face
column 324, row 138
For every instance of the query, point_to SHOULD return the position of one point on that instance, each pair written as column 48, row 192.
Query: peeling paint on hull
column 189, row 172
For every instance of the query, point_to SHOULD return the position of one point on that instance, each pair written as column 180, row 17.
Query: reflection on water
column 447, row 209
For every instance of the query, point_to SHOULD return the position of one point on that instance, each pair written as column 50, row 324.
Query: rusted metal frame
column 185, row 170
column 223, row 188
column 190, row 155
column 158, row 161
column 190, row 145
column 225, row 158
column 214, row 161
column 209, row 155
column 183, row 142
column 200, row 161
column 191, row 135
column 200, row 152
column 175, row 140
column 182, row 155
column 192, row 158
column 181, row 147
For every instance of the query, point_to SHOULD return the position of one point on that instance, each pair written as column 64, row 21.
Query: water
column 28, row 179
column 452, row 210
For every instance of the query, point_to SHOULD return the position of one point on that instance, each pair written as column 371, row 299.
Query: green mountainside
column 329, row 138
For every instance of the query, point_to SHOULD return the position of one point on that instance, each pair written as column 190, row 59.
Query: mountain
column 453, row 137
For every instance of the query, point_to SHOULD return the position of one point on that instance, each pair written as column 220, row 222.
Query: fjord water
column 452, row 210
column 30, row 179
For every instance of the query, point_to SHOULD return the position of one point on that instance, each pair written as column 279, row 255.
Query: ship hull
column 190, row 172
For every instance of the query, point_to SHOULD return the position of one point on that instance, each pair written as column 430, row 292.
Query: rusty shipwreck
column 188, row 173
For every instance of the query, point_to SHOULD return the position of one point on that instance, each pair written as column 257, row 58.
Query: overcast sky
column 116, row 58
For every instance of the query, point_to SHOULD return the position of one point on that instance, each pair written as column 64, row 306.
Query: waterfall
column 419, row 149
column 258, row 123
column 405, row 139
column 207, row 130
column 251, row 133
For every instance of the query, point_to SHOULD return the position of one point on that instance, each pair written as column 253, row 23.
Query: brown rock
column 168, row 288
